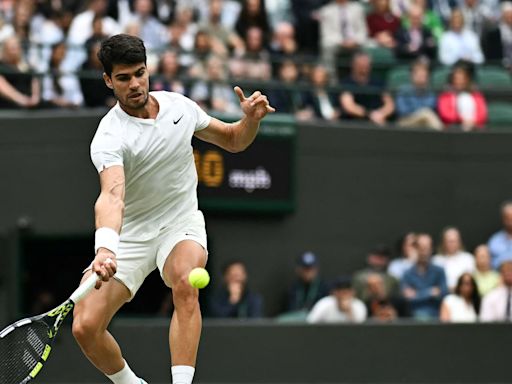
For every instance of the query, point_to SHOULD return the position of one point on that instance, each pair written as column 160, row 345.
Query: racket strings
column 20, row 350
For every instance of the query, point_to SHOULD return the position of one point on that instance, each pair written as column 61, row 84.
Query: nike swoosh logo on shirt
column 177, row 121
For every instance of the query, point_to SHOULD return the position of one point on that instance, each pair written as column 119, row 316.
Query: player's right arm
column 109, row 209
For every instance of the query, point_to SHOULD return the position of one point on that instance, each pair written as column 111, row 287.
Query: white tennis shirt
column 160, row 173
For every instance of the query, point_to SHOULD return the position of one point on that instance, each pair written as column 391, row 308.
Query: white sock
column 182, row 374
column 124, row 376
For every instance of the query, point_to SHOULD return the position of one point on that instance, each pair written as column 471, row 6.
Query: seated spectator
column 234, row 299
column 304, row 14
column 431, row 20
column 168, row 74
column 151, row 30
column 380, row 304
column 407, row 256
column 60, row 88
column 452, row 257
column 319, row 102
column 94, row 90
column 283, row 45
column 497, row 42
column 256, row 58
column 204, row 47
column 342, row 29
column 308, row 287
column 497, row 304
column 182, row 30
column 339, row 307
column 486, row 278
column 424, row 285
column 416, row 103
column 459, row 43
column 480, row 15
column 18, row 87
column 372, row 102
column 377, row 262
column 285, row 98
column 463, row 305
column 382, row 24
column 253, row 14
column 462, row 106
column 415, row 40
column 500, row 244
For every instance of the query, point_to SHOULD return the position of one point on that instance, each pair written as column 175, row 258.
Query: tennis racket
column 26, row 344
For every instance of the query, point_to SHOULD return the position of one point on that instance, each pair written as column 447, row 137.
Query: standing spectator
column 168, row 74
column 497, row 42
column 235, row 299
column 377, row 262
column 382, row 24
column 339, row 307
column 497, row 304
column 462, row 105
column 407, row 256
column 500, row 244
column 319, row 102
column 308, row 286
column 424, row 285
column 342, row 29
column 486, row 278
column 416, row 103
column 415, row 40
column 253, row 14
column 372, row 102
column 18, row 87
column 452, row 257
column 463, row 305
column 459, row 43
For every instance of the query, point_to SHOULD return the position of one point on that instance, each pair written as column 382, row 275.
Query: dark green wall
column 356, row 186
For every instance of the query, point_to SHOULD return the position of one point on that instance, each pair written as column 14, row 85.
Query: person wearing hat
column 340, row 306
column 308, row 286
column 497, row 304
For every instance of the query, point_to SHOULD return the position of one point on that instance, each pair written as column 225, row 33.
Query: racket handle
column 84, row 288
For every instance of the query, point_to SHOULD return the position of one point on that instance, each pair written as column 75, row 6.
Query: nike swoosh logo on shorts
column 177, row 121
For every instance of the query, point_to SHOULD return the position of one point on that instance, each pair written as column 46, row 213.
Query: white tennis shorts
column 137, row 259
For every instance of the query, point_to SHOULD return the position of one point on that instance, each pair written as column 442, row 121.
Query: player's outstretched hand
column 255, row 106
column 104, row 265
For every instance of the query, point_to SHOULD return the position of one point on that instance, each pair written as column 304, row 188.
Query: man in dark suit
column 415, row 40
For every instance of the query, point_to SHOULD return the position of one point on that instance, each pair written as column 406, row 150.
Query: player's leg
column 185, row 329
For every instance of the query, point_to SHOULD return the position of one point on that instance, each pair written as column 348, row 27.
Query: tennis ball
column 199, row 278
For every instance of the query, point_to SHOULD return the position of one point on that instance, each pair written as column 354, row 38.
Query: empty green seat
column 398, row 76
column 493, row 77
column 500, row 116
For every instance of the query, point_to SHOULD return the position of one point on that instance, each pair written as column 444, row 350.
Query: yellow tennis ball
column 199, row 278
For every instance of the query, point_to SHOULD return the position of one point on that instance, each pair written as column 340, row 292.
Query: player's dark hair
column 121, row 49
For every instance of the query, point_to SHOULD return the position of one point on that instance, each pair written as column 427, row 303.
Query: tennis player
column 147, row 214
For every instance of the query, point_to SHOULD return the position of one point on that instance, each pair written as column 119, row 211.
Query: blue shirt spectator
column 410, row 99
column 500, row 244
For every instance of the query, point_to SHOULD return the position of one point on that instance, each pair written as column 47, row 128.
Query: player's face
column 130, row 84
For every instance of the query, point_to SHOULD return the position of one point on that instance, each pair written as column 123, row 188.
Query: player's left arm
column 236, row 137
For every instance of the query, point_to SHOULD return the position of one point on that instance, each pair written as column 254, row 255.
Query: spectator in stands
column 18, row 87
column 342, row 29
column 256, row 58
column 416, row 103
column 480, row 15
column 168, row 74
column 486, row 278
column 278, row 11
column 380, row 304
column 304, row 14
column 23, row 12
column 462, row 105
column 443, row 8
column 253, row 14
column 459, row 42
column 182, row 31
column 463, row 305
column 219, row 32
column 497, row 304
column 339, row 307
column 424, row 285
column 497, row 42
column 407, row 256
column 377, row 262
column 415, row 40
column 60, row 88
column 284, row 97
column 500, row 244
column 235, row 299
column 319, row 102
column 382, row 24
column 452, row 257
column 283, row 45
column 151, row 30
column 431, row 20
column 6, row 29
column 204, row 47
column 364, row 96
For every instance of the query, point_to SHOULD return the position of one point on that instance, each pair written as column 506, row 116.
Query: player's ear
column 108, row 80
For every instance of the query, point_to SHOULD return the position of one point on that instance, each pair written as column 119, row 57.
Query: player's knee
column 85, row 330
column 184, row 295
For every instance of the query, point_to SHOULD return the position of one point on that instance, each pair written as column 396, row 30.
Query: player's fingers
column 254, row 96
column 239, row 93
column 260, row 99
column 270, row 108
column 104, row 274
column 98, row 284
column 111, row 266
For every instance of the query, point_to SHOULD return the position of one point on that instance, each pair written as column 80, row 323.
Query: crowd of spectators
column 316, row 59
column 423, row 283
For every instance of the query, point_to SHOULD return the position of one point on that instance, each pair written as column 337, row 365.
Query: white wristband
column 106, row 238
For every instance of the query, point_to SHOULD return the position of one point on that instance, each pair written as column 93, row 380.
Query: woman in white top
column 463, row 305
column 452, row 257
